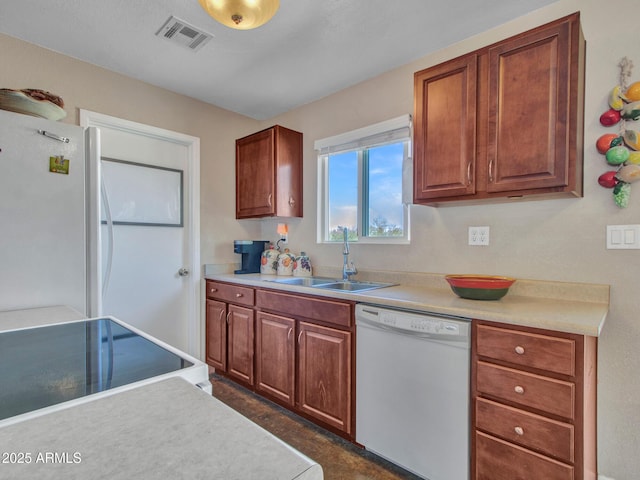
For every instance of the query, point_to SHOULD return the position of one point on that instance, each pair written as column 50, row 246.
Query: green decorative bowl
column 480, row 287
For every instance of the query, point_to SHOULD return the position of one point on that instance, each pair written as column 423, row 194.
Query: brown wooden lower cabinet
column 240, row 343
column 216, row 344
column 534, row 404
column 324, row 382
column 297, row 350
column 275, row 356
column 500, row 460
column 536, row 432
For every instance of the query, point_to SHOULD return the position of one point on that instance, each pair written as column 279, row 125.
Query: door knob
column 183, row 272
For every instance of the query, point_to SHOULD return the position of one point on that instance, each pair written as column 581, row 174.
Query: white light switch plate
column 623, row 237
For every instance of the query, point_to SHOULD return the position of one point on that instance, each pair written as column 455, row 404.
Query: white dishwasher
column 412, row 390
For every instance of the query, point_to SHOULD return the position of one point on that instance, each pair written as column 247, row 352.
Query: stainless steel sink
column 353, row 286
column 330, row 283
column 304, row 281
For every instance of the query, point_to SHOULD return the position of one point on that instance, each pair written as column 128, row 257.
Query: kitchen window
column 365, row 185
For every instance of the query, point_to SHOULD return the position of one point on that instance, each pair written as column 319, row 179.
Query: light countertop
column 168, row 429
column 566, row 307
column 36, row 317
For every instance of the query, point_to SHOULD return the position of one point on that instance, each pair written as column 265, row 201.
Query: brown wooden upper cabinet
column 504, row 121
column 269, row 174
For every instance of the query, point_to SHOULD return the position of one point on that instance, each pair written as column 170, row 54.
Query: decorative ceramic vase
column 269, row 261
column 285, row 263
column 302, row 266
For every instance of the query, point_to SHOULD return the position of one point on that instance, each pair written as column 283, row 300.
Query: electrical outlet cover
column 479, row 235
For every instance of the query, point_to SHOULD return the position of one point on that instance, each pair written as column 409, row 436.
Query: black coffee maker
column 251, row 251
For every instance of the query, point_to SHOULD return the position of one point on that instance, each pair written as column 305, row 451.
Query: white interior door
column 151, row 178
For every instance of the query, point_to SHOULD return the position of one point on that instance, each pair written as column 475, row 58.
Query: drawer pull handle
column 519, row 430
column 213, row 290
column 519, row 350
column 519, row 389
column 238, row 295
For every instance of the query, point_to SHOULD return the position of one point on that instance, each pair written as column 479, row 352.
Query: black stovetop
column 45, row 366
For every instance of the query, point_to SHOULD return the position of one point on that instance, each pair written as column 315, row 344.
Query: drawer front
column 329, row 311
column 500, row 460
column 228, row 292
column 528, row 349
column 535, row 391
column 538, row 433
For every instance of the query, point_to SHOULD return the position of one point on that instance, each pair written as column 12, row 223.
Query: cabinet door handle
column 221, row 315
column 289, row 333
column 269, row 200
column 491, row 171
column 519, row 430
column 239, row 295
column 228, row 317
column 292, row 202
column 299, row 337
column 469, row 173
column 519, row 350
column 213, row 290
column 519, row 389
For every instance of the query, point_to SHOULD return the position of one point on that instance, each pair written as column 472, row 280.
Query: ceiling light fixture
column 241, row 14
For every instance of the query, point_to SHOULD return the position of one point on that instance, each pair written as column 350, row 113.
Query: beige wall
column 554, row 240
column 85, row 86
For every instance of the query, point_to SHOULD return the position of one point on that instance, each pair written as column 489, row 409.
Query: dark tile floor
column 340, row 459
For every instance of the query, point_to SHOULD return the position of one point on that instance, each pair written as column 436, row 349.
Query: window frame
column 361, row 146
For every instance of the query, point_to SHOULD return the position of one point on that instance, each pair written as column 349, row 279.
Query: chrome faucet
column 346, row 271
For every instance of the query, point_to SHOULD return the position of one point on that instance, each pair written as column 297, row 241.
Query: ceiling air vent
column 181, row 33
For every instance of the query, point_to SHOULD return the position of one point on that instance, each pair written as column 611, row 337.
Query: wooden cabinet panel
column 228, row 292
column 445, row 129
column 504, row 121
column 542, row 393
column 324, row 375
column 269, row 174
column 271, row 349
column 216, row 335
column 275, row 356
column 288, row 172
column 533, row 395
column 536, row 432
column 255, row 175
column 499, row 460
column 528, row 349
column 529, row 127
column 313, row 308
column 240, row 343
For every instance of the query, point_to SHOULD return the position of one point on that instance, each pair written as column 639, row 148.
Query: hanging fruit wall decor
column 621, row 149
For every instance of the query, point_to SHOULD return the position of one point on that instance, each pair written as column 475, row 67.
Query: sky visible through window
column 385, row 187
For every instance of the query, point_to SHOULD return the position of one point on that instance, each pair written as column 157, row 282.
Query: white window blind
column 389, row 131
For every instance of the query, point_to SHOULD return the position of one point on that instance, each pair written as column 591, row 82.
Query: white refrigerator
column 49, row 215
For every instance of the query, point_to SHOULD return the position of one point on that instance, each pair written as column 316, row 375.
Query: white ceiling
column 310, row 49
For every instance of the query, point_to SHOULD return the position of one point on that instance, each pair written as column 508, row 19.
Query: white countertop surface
column 165, row 430
column 566, row 307
column 36, row 317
